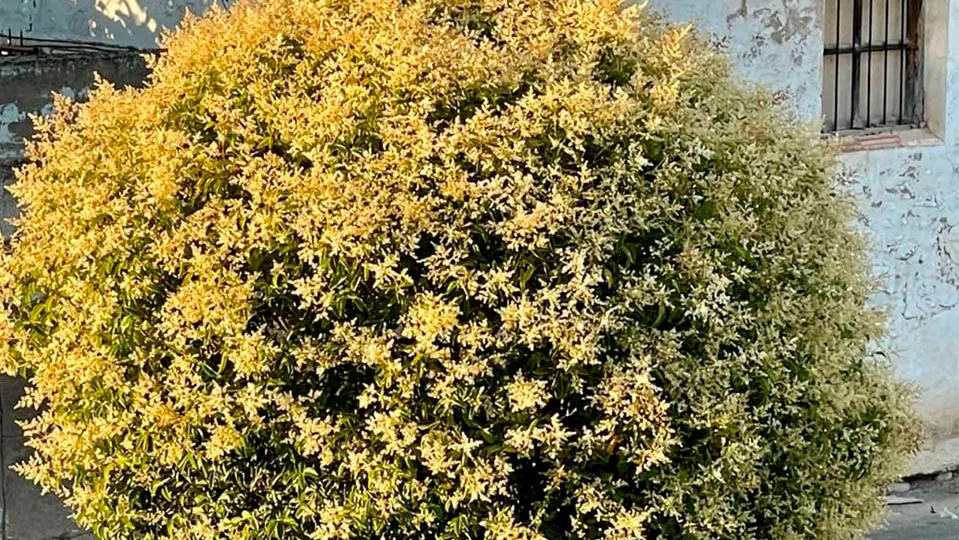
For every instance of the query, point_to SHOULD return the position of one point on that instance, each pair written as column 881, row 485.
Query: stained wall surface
column 778, row 43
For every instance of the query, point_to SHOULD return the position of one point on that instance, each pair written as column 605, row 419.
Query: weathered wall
column 910, row 209
column 136, row 23
column 27, row 86
column 775, row 42
column 909, row 196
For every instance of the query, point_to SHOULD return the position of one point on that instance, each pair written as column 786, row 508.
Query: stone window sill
column 905, row 138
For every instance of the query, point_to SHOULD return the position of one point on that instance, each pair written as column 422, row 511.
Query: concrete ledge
column 888, row 140
column 935, row 457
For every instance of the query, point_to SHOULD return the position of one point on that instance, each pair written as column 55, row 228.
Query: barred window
column 871, row 65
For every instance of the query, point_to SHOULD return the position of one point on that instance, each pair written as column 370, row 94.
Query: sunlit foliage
column 444, row 269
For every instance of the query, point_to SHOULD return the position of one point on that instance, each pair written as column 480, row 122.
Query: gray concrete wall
column 27, row 85
column 909, row 201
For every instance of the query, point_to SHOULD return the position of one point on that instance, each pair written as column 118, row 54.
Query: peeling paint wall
column 909, row 206
column 27, row 86
column 908, row 197
column 775, row 42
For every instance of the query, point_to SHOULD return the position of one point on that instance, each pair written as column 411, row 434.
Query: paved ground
column 935, row 518
column 27, row 515
column 919, row 523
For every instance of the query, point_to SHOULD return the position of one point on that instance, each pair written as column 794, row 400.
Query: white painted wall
column 136, row 23
column 909, row 196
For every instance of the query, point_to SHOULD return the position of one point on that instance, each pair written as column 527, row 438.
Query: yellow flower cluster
column 526, row 269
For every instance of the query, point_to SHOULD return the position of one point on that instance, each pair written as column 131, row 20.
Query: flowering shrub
column 444, row 269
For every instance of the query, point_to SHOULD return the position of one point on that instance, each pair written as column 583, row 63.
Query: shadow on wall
column 137, row 23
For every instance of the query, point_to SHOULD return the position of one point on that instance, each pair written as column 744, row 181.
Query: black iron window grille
column 17, row 45
column 871, row 68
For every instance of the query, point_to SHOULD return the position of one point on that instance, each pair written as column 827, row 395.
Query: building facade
column 881, row 75
column 841, row 63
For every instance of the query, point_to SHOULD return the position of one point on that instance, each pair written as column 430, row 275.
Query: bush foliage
column 445, row 269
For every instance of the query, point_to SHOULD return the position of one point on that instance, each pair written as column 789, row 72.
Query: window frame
column 910, row 114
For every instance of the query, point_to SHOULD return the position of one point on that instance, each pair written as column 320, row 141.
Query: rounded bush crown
column 444, row 269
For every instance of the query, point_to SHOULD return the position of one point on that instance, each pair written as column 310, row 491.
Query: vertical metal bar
column 856, row 60
column 902, row 57
column 885, row 70
column 913, row 105
column 835, row 101
column 869, row 72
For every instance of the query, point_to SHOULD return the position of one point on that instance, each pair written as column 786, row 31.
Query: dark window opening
column 871, row 67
